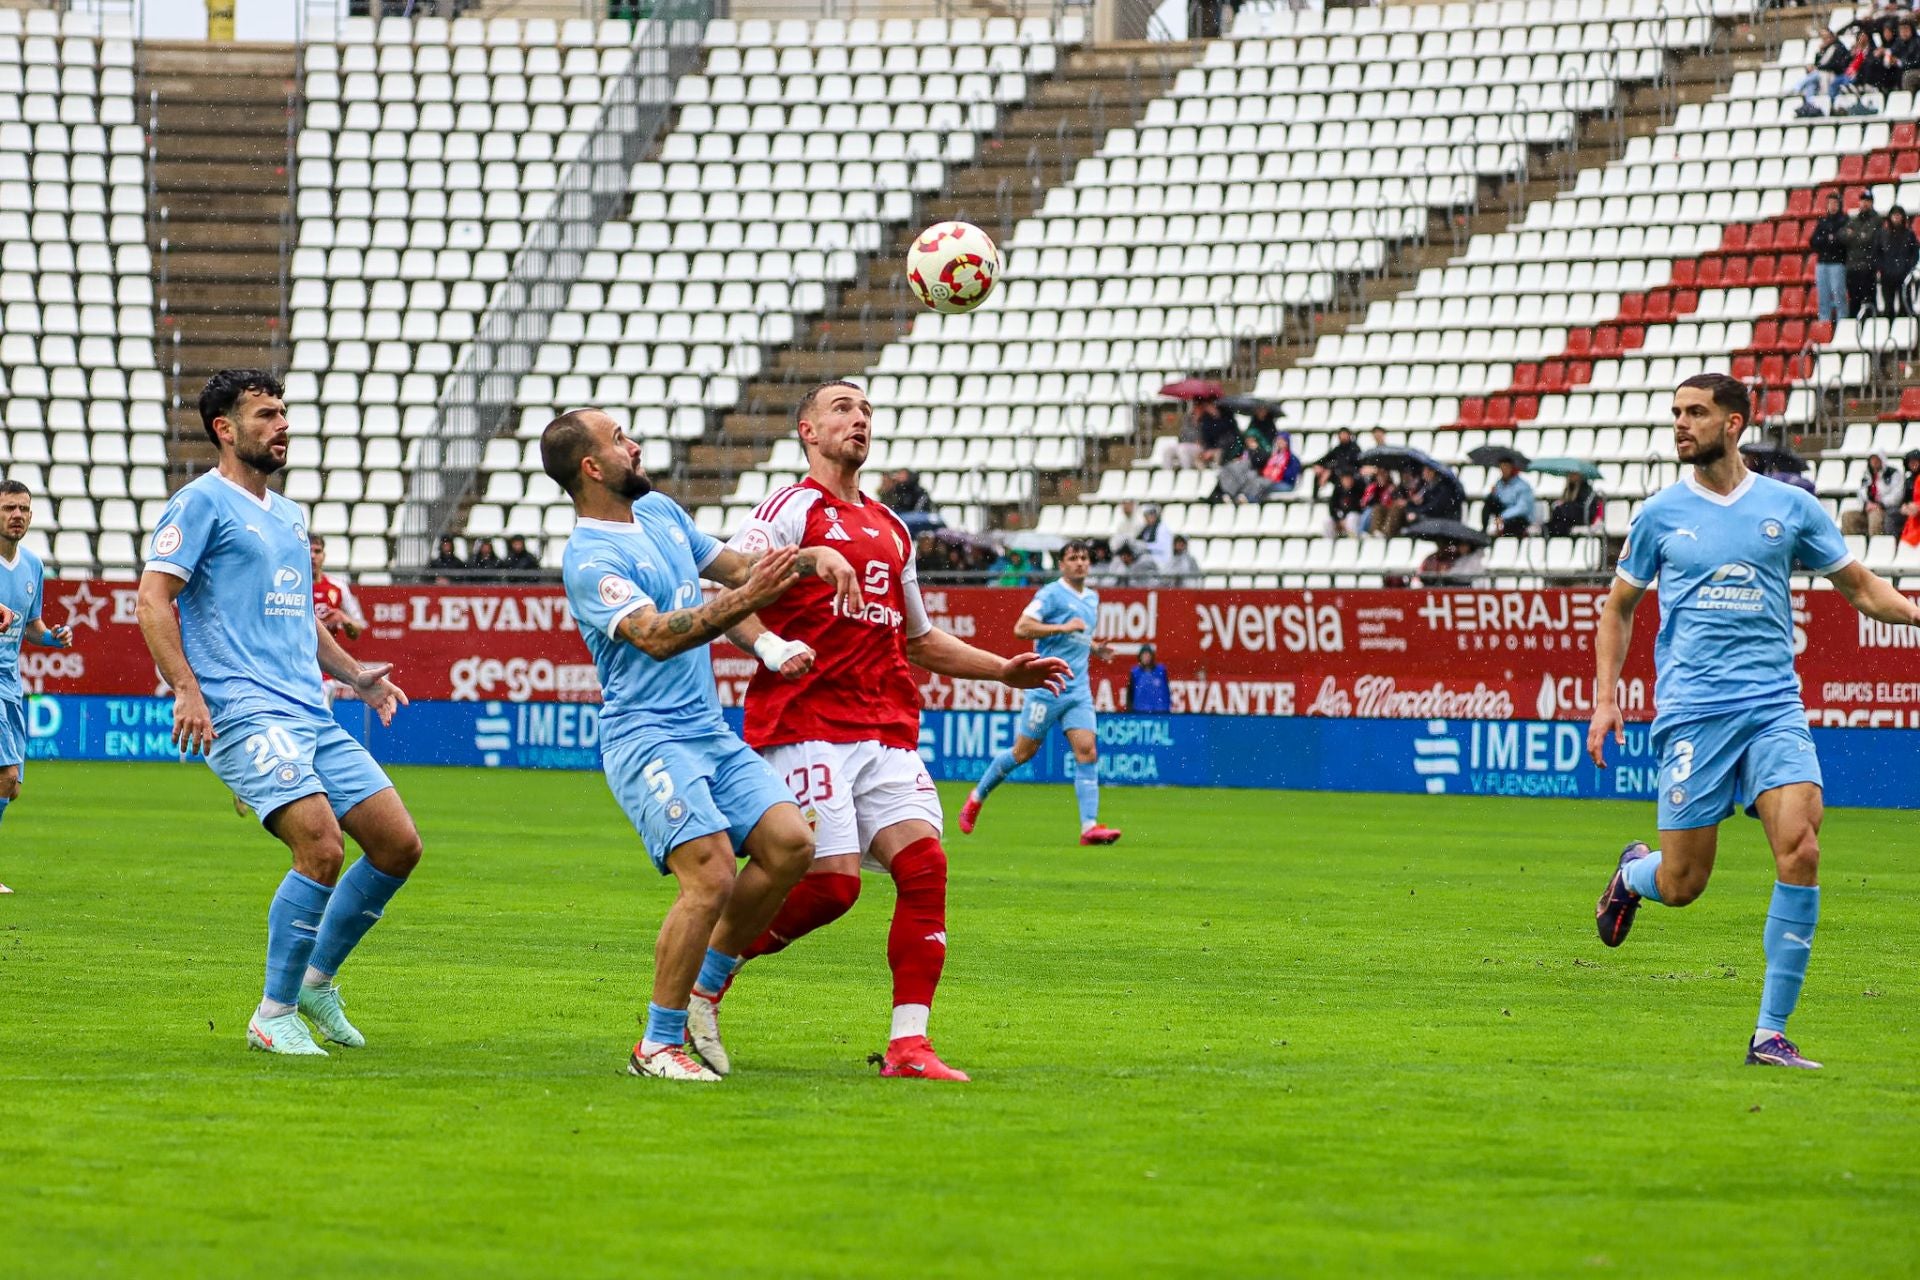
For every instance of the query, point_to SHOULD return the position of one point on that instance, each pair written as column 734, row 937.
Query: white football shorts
column 851, row 791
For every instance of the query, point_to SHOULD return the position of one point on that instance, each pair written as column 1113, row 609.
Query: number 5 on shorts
column 659, row 782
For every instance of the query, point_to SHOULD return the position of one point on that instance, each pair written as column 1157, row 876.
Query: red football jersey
column 337, row 599
column 862, row 688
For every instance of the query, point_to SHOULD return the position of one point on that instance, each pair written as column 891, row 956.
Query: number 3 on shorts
column 659, row 782
column 1682, row 760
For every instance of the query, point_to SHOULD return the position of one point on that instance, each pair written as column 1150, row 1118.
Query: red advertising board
column 1420, row 654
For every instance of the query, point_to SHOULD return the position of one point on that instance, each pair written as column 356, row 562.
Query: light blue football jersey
column 21, row 582
column 246, row 613
column 613, row 569
column 1723, row 569
column 1055, row 604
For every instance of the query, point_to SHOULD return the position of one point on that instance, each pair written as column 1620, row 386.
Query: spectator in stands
column 1282, row 469
column 1147, row 691
column 1383, row 502
column 1180, row 569
column 930, row 555
column 1882, row 491
column 482, row 558
column 1129, row 568
column 1906, row 48
column 1240, row 479
column 1894, row 256
column 1829, row 245
column 1344, row 456
column 1153, row 539
column 1910, row 491
column 904, row 493
column 1219, row 433
column 1827, row 73
column 1263, row 423
column 447, row 559
column 1344, row 505
column 1875, row 63
column 1508, row 510
column 1436, row 496
column 1012, row 569
column 1862, row 238
column 1454, row 562
column 519, row 559
column 1578, row 508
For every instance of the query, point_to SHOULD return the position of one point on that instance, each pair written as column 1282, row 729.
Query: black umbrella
column 1448, row 531
column 1394, row 455
column 1250, row 405
column 1772, row 457
column 1492, row 455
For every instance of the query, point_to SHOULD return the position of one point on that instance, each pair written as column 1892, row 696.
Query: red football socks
column 814, row 902
column 917, row 943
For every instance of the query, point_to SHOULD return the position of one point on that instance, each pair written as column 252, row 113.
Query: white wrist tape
column 774, row 652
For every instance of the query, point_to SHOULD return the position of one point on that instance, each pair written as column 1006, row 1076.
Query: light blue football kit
column 1071, row 708
column 247, row 626
column 678, row 772
column 21, row 582
column 1730, row 722
column 246, row 622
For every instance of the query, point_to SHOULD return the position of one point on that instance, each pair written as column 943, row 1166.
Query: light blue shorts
column 1041, row 711
column 13, row 733
column 1712, row 766
column 674, row 792
column 270, row 761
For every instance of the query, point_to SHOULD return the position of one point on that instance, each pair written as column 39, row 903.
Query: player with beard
column 1730, row 731
column 845, row 737
column 22, row 578
column 244, row 653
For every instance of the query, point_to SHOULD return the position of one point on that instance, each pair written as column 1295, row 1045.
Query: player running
column 21, row 578
column 244, row 657
column 1730, row 728
column 1061, row 619
column 846, row 739
column 695, row 793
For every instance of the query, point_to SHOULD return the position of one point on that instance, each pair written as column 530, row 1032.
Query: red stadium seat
column 1760, row 239
column 1473, row 411
column 1633, row 307
column 1908, row 410
column 1737, row 272
column 1525, row 376
column 1686, row 301
column 1800, row 203
column 1711, row 273
column 1879, row 167
column 1797, row 302
column 1773, row 370
column 1579, row 372
column 1526, row 408
column 1758, row 271
column 1905, row 162
column 1852, row 170
column 1632, row 337
column 1685, row 272
column 1905, row 134
column 1579, row 341
column 1734, row 238
column 1744, row 367
column 1793, row 334
column 1659, row 308
column 1775, row 403
column 1553, row 378
column 1820, row 332
column 1606, row 343
column 1766, row 337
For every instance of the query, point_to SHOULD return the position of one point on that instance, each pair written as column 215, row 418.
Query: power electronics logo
column 285, row 600
column 1732, row 589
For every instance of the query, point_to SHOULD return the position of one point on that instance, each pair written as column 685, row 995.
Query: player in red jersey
column 846, row 736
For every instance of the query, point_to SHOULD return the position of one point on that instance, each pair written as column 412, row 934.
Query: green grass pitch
column 1267, row 1034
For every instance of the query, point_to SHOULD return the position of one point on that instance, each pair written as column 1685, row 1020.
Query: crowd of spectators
column 482, row 563
column 1862, row 262
column 1889, row 499
column 1880, row 50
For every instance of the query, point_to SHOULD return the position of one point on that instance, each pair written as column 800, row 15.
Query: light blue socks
column 1791, row 917
column 997, row 770
column 665, row 1026
column 714, row 972
column 1639, row 877
column 1086, row 789
column 293, row 926
column 359, row 900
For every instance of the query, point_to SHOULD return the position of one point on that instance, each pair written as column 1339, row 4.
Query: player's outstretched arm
column 730, row 569
column 1874, row 596
column 1028, row 627
column 662, row 635
column 160, row 628
column 368, row 680
column 1612, row 638
column 945, row 654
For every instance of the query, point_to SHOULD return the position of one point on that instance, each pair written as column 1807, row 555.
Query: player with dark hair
column 244, row 654
column 22, row 578
column 1061, row 618
column 846, row 737
column 697, row 796
column 1730, row 730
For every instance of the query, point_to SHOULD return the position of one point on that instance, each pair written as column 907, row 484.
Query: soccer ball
column 952, row 266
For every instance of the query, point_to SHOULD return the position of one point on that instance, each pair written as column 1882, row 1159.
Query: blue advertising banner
column 1436, row 757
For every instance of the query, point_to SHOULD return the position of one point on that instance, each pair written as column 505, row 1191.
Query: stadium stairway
column 221, row 206
column 1095, row 89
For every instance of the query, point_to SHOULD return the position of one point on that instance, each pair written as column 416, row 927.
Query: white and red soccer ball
column 953, row 266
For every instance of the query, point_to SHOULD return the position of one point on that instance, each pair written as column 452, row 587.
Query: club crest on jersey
column 1771, row 530
column 835, row 533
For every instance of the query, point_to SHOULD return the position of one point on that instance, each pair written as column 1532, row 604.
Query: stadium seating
column 81, row 400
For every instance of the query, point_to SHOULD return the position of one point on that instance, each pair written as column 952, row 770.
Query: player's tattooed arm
column 730, row 568
column 662, row 635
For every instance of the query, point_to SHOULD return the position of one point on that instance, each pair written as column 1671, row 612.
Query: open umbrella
column 1565, row 467
column 1247, row 404
column 1394, row 455
column 1772, row 457
column 1492, row 455
column 1447, row 531
column 1192, row 389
